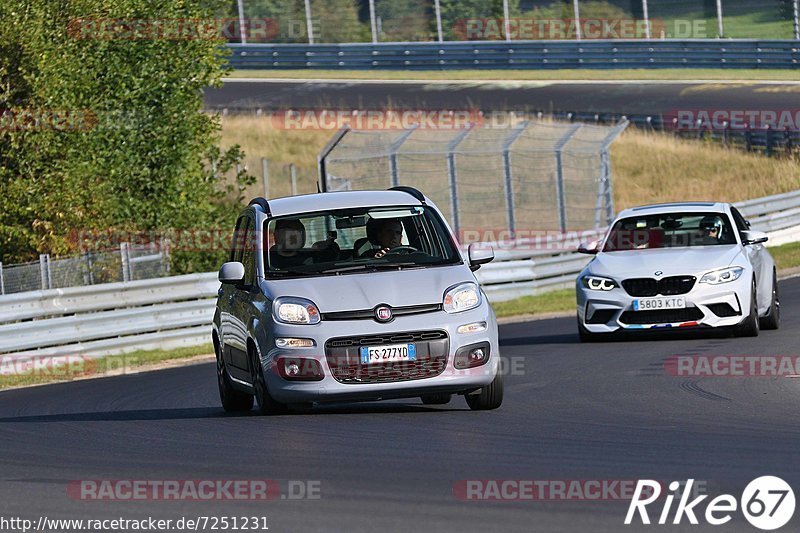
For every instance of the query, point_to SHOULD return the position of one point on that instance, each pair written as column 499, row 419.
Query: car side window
column 741, row 223
column 248, row 253
column 236, row 244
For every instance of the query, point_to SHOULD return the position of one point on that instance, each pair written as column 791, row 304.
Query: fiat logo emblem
column 658, row 272
column 383, row 313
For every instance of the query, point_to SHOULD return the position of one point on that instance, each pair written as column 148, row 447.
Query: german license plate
column 651, row 304
column 388, row 353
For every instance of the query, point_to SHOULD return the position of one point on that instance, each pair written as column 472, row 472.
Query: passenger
column 290, row 237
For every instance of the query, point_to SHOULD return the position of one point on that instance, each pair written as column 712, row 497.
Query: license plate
column 650, row 304
column 388, row 353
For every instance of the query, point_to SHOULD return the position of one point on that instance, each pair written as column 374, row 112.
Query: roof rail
column 410, row 190
column 262, row 203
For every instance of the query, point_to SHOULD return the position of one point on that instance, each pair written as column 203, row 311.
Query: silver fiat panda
column 352, row 296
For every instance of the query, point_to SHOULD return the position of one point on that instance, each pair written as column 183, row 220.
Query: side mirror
column 231, row 272
column 754, row 237
column 479, row 254
column 590, row 248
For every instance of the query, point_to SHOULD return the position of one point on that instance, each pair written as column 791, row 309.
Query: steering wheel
column 402, row 250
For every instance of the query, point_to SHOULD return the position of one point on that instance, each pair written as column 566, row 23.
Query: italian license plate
column 650, row 304
column 388, row 353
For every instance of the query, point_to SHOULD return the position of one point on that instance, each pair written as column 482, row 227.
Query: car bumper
column 329, row 389
column 707, row 305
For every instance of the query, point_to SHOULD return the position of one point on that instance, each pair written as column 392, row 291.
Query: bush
column 136, row 154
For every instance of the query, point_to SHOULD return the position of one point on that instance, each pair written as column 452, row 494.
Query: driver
column 711, row 228
column 389, row 234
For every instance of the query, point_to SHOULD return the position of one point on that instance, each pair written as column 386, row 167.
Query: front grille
column 343, row 357
column 723, row 310
column 668, row 286
column 661, row 316
column 362, row 314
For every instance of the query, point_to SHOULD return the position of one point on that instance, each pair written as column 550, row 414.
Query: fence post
column 89, row 268
column 394, row 173
column 796, row 19
column 438, row 12
column 2, row 280
column 44, row 271
column 508, row 181
column 720, row 27
column 372, row 25
column 560, row 192
column 293, row 174
column 265, row 177
column 646, row 16
column 242, row 29
column 309, row 23
column 125, row 259
column 451, row 173
column 577, row 12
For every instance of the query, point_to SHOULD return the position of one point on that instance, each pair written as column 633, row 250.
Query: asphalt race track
column 626, row 97
column 605, row 411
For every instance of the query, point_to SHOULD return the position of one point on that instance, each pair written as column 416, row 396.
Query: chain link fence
column 354, row 21
column 490, row 183
column 128, row 263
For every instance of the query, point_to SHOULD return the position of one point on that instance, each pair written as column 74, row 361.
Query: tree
column 135, row 153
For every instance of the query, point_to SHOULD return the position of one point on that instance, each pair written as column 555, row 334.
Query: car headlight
column 598, row 283
column 462, row 297
column 723, row 275
column 295, row 311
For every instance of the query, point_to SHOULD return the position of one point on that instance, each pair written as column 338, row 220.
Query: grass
column 786, row 255
column 646, row 167
column 546, row 302
column 686, row 74
column 74, row 367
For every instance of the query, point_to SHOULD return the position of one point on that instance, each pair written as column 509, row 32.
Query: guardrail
column 177, row 311
column 705, row 53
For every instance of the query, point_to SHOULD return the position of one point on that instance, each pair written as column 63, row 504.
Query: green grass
column 786, row 255
column 79, row 368
column 547, row 302
column 521, row 75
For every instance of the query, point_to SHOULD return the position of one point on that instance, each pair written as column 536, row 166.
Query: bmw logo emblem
column 383, row 313
column 658, row 272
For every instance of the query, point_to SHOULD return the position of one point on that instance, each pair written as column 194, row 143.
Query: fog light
column 472, row 328
column 299, row 369
column 291, row 342
column 472, row 356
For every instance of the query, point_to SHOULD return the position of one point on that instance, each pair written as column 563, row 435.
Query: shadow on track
column 638, row 336
column 217, row 412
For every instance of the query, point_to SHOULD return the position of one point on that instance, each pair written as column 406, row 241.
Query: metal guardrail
column 705, row 53
column 177, row 311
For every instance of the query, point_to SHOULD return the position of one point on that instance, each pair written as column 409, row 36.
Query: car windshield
column 353, row 240
column 670, row 230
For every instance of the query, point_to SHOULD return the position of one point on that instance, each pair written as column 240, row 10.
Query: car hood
column 670, row 261
column 358, row 291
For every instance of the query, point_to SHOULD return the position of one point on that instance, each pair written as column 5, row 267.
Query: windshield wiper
column 281, row 273
column 369, row 266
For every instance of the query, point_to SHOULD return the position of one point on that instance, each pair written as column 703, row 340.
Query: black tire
column 750, row 326
column 490, row 397
column 773, row 318
column 233, row 401
column 265, row 404
column 436, row 399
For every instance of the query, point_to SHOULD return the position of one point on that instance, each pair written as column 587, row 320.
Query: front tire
column 265, row 404
column 233, row 401
column 490, row 397
column 773, row 318
column 750, row 326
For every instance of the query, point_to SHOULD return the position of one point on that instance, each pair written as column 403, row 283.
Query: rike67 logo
column 767, row 503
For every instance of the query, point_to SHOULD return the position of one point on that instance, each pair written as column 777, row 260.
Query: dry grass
column 647, row 168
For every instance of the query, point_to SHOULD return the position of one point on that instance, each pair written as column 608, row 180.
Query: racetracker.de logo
column 193, row 489
column 544, row 489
